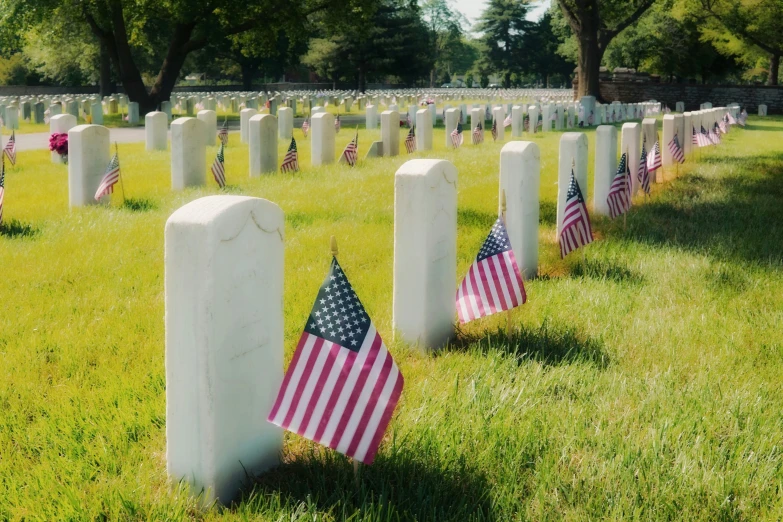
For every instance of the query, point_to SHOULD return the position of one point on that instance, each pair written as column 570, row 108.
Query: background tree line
column 147, row 47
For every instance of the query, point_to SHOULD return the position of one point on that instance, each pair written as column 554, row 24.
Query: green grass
column 643, row 384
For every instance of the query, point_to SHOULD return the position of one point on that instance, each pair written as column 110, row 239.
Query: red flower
column 58, row 142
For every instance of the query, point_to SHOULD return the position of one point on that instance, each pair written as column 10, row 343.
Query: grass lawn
column 643, row 384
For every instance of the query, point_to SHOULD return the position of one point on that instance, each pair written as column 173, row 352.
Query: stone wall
column 748, row 96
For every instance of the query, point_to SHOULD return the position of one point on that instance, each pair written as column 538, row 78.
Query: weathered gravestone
column 188, row 153
column 224, row 342
column 262, row 137
column 88, row 156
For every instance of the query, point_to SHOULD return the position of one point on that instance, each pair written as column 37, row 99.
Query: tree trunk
column 362, row 80
column 106, row 87
column 590, row 55
column 774, row 69
column 248, row 75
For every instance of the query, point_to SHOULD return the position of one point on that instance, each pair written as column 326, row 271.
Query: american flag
column 291, row 159
column 576, row 231
column 676, row 150
column 352, row 150
column 723, row 127
column 494, row 130
column 507, row 121
column 342, row 385
column 730, row 119
column 493, row 282
column 456, row 136
column 540, row 124
column 526, row 123
column 111, row 177
column 305, row 126
column 10, row 148
column 410, row 141
column 619, row 199
column 2, row 185
column 590, row 118
column 704, row 138
column 218, row 168
column 337, row 124
column 743, row 117
column 654, row 159
column 223, row 133
column 715, row 134
column 643, row 175
column 478, row 134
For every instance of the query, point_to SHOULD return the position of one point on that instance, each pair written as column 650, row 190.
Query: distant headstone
column 244, row 121
column 679, row 106
column 371, row 117
column 60, row 123
column 285, row 123
column 38, row 112
column 631, row 142
column 188, row 153
column 88, row 156
column 156, row 131
column 762, row 110
column 390, row 133
column 573, row 150
column 423, row 130
column 165, row 106
column 605, row 166
column 262, row 138
column 224, row 342
column 133, row 113
column 451, row 120
column 497, row 112
column 322, row 136
column 209, row 117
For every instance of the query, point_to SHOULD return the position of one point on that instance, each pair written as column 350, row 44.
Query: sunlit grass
column 642, row 384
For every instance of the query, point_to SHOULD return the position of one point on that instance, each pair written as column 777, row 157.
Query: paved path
column 40, row 140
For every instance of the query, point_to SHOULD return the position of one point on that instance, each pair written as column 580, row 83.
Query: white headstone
column 520, row 178
column 476, row 117
column 669, row 129
column 497, row 113
column 285, row 123
column 156, row 131
column 188, row 153
column 423, row 130
column 686, row 136
column 631, row 142
column 390, row 133
column 546, row 117
column 88, row 157
column 573, row 148
column 433, row 113
column 679, row 106
column 371, row 117
column 517, row 122
column 262, row 143
column 762, row 110
column 244, row 121
column 605, row 166
column 165, row 106
column 322, row 137
column 588, row 104
column 649, row 138
column 133, row 113
column 60, row 123
column 425, row 250
column 224, row 342
column 209, row 117
column 532, row 112
column 451, row 121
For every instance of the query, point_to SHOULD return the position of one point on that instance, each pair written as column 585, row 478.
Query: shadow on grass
column 16, row 229
column 407, row 484
column 605, row 270
column 139, row 205
column 468, row 217
column 547, row 344
column 731, row 217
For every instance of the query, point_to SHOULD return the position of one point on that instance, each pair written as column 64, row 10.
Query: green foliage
column 14, row 70
column 504, row 29
column 469, row 80
column 484, row 80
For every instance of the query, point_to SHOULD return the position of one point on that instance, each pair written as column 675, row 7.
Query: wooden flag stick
column 510, row 310
column 119, row 174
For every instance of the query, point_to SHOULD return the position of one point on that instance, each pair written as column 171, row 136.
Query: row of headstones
column 216, row 258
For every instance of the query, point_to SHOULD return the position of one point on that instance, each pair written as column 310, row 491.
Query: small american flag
column 2, row 185
column 291, row 159
column 743, row 117
column 456, row 136
column 730, row 119
column 337, row 124
column 654, row 159
column 478, row 134
column 704, row 139
column 526, row 123
column 715, row 132
column 352, row 150
column 10, row 148
column 619, row 199
column 507, row 121
column 676, row 150
column 723, row 126
column 342, row 385
column 410, row 141
column 494, row 130
column 643, row 176
column 110, row 179
column 223, row 133
column 305, row 126
column 695, row 138
column 576, row 231
column 218, row 168
column 493, row 282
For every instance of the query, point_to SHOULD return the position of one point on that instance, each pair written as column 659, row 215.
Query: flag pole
column 356, row 463
column 630, row 193
column 503, row 216
column 122, row 185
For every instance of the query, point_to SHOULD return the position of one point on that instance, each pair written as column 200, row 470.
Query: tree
column 542, row 46
column 504, row 27
column 595, row 23
column 166, row 33
column 447, row 29
column 757, row 22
